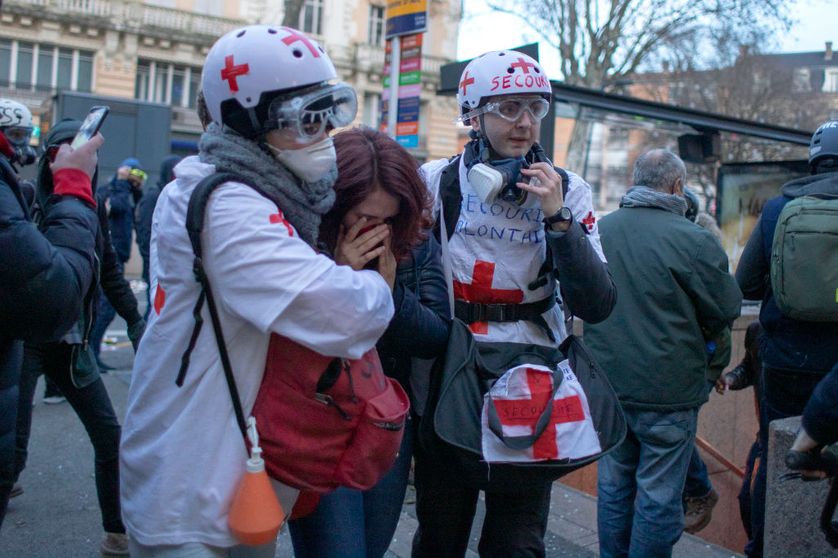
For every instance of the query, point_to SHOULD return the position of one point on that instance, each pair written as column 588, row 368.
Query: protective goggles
column 18, row 135
column 512, row 108
column 305, row 117
column 141, row 174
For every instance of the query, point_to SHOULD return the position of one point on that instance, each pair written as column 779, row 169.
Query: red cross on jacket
column 480, row 290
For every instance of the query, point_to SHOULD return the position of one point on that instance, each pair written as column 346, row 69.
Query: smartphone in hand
column 91, row 125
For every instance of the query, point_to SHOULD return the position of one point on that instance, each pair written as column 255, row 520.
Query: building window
column 42, row 67
column 172, row 84
column 25, row 61
column 311, row 17
column 801, row 82
column 830, row 83
column 5, row 61
column 376, row 26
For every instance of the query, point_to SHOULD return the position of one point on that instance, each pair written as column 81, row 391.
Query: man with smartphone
column 45, row 273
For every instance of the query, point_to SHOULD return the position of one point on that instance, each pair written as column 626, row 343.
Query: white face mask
column 310, row 163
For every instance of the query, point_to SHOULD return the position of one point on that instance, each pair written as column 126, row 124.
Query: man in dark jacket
column 120, row 196
column 795, row 354
column 70, row 363
column 45, row 274
column 675, row 293
column 145, row 213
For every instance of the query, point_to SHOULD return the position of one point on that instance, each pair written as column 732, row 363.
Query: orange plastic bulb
column 256, row 515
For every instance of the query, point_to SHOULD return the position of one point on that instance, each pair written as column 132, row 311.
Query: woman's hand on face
column 387, row 264
column 356, row 250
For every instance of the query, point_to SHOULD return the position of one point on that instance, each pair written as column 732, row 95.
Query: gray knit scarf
column 302, row 203
column 643, row 196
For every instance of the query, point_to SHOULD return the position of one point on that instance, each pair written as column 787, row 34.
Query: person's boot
column 698, row 511
column 114, row 544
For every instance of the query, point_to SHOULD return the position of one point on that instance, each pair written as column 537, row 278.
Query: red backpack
column 324, row 422
column 327, row 422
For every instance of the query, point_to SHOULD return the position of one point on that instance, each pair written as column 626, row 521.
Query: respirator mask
column 498, row 179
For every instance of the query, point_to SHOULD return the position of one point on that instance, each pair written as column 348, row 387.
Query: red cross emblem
column 524, row 65
column 293, row 37
column 525, row 412
column 480, row 290
column 589, row 220
column 159, row 299
column 466, row 82
column 280, row 218
column 230, row 72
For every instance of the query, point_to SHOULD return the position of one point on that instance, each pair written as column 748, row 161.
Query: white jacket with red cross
column 497, row 250
column 182, row 454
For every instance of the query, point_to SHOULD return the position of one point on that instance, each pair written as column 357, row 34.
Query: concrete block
column 792, row 507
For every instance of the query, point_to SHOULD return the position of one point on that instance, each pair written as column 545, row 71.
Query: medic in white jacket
column 182, row 453
column 181, row 450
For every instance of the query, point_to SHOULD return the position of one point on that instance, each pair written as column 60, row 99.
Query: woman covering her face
column 379, row 222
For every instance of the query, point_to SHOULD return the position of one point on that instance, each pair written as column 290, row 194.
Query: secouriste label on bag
column 533, row 413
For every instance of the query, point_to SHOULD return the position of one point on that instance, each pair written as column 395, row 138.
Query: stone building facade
column 154, row 50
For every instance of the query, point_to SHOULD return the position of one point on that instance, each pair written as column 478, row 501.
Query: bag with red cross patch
column 508, row 415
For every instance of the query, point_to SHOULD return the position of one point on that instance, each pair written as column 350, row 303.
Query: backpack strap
column 451, row 198
column 195, row 216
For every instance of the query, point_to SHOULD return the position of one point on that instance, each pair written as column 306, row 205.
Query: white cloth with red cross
column 498, row 248
column 182, row 454
column 519, row 397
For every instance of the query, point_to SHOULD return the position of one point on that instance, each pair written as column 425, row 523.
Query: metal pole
column 393, row 101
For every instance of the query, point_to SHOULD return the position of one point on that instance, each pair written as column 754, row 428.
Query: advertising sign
column 406, row 17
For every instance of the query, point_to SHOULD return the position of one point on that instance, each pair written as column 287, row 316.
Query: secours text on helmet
column 501, row 72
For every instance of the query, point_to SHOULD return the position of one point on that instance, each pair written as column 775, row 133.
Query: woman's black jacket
column 422, row 318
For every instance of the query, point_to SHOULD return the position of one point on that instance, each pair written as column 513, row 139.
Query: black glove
column 135, row 333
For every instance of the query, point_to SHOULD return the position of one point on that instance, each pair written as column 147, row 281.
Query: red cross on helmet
column 249, row 62
column 501, row 72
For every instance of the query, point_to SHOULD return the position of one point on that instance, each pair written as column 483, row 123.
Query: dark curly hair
column 368, row 160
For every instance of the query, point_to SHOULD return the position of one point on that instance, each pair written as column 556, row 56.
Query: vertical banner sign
column 406, row 21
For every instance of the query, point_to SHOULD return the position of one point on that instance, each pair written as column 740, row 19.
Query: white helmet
column 501, row 72
column 14, row 115
column 16, row 127
column 249, row 62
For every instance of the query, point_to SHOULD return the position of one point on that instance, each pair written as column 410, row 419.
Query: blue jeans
column 698, row 479
column 639, row 510
column 354, row 524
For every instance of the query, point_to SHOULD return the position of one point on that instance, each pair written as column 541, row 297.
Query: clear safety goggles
column 18, row 135
column 512, row 108
column 306, row 117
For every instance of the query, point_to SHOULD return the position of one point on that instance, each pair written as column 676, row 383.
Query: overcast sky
column 482, row 30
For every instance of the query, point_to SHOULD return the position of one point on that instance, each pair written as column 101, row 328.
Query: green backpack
column 804, row 259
